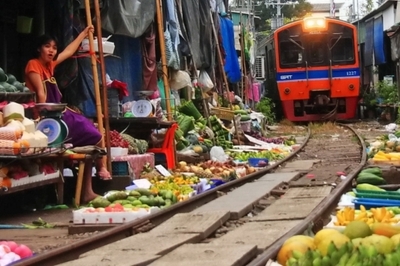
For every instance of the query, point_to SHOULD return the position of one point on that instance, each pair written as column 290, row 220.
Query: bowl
column 258, row 162
column 57, row 107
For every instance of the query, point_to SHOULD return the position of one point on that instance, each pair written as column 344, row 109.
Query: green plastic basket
column 372, row 194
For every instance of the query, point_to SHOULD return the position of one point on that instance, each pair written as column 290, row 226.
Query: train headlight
column 351, row 87
column 286, row 91
column 312, row 24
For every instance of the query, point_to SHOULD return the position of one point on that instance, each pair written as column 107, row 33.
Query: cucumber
column 370, row 179
column 373, row 170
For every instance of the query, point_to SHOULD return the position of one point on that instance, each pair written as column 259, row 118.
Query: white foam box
column 81, row 216
column 33, row 179
column 108, row 47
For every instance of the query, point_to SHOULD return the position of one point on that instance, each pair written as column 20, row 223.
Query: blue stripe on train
column 318, row 74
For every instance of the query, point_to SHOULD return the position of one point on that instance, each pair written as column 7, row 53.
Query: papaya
column 134, row 193
column 245, row 118
column 385, row 229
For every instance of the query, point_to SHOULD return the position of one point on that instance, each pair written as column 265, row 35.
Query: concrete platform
column 115, row 258
column 288, row 209
column 208, row 254
column 281, row 177
column 146, row 243
column 307, row 192
column 202, row 223
column 240, row 201
column 261, row 234
column 298, row 165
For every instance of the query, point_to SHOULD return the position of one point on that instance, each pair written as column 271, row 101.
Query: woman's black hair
column 43, row 40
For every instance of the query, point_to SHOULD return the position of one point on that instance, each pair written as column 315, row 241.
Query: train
column 313, row 69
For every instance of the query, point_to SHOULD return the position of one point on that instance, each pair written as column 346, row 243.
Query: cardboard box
column 108, row 47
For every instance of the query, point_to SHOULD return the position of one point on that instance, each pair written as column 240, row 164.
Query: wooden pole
column 95, row 74
column 163, row 59
column 104, row 85
column 221, row 64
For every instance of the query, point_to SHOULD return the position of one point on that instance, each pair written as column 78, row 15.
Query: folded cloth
column 91, row 149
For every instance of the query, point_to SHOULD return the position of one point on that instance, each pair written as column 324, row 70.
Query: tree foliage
column 299, row 10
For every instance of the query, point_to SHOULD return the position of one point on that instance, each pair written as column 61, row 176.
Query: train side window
column 290, row 54
column 342, row 50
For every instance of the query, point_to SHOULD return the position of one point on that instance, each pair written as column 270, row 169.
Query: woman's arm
column 36, row 81
column 74, row 45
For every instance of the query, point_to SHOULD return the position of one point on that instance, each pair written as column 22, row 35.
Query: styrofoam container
column 81, row 216
column 108, row 47
column 118, row 151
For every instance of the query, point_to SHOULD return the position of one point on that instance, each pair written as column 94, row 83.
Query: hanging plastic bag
column 205, row 82
column 170, row 53
column 179, row 80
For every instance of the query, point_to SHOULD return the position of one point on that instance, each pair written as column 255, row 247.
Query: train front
column 317, row 69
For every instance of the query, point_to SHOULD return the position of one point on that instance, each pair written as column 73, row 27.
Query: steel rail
column 72, row 251
column 272, row 251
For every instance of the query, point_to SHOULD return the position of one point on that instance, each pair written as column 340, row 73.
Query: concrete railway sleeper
column 243, row 222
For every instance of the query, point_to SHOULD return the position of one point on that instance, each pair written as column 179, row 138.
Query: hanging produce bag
column 205, row 82
column 127, row 17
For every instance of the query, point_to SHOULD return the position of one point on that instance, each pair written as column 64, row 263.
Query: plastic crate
column 372, row 194
column 375, row 203
column 119, row 168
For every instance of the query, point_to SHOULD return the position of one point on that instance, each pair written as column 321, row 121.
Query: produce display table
column 138, row 127
column 38, row 180
column 136, row 162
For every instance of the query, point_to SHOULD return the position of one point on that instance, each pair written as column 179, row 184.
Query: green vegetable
column 186, row 123
column 373, row 170
column 240, row 112
column 370, row 179
column 189, row 109
column 245, row 118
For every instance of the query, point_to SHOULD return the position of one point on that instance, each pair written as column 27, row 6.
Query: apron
column 84, row 132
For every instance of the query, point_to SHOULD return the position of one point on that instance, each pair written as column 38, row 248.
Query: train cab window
column 291, row 55
column 342, row 51
column 317, row 52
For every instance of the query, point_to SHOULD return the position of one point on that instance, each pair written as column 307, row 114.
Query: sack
column 205, row 82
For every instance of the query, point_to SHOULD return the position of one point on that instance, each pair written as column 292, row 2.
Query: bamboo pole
column 104, row 86
column 95, row 74
column 243, row 61
column 163, row 59
column 221, row 64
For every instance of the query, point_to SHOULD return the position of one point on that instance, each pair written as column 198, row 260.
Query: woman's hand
column 88, row 29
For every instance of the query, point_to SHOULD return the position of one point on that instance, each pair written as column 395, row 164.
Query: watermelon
column 19, row 86
column 11, row 79
column 3, row 76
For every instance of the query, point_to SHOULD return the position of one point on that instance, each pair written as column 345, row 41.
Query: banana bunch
column 342, row 256
column 375, row 215
column 345, row 216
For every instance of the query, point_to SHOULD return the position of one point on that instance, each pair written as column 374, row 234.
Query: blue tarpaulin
column 125, row 66
column 232, row 68
column 369, row 42
column 379, row 45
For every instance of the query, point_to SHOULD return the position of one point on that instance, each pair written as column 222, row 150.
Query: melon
column 285, row 253
column 338, row 239
column 382, row 244
column 395, row 239
column 309, row 241
column 325, row 234
column 357, row 229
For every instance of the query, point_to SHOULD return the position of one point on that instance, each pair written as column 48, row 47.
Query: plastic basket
column 119, row 168
column 375, row 203
column 372, row 194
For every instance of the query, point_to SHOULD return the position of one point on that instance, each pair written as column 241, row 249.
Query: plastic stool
column 168, row 147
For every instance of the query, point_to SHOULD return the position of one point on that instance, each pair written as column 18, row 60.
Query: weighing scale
column 143, row 107
column 51, row 124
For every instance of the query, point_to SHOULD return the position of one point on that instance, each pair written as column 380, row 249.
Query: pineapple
column 200, row 173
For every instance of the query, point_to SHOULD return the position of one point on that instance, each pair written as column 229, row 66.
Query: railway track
column 288, row 198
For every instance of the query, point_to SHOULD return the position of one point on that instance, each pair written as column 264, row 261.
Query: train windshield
column 342, row 50
column 291, row 53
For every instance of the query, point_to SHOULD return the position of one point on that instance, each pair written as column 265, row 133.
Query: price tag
column 162, row 170
column 142, row 183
